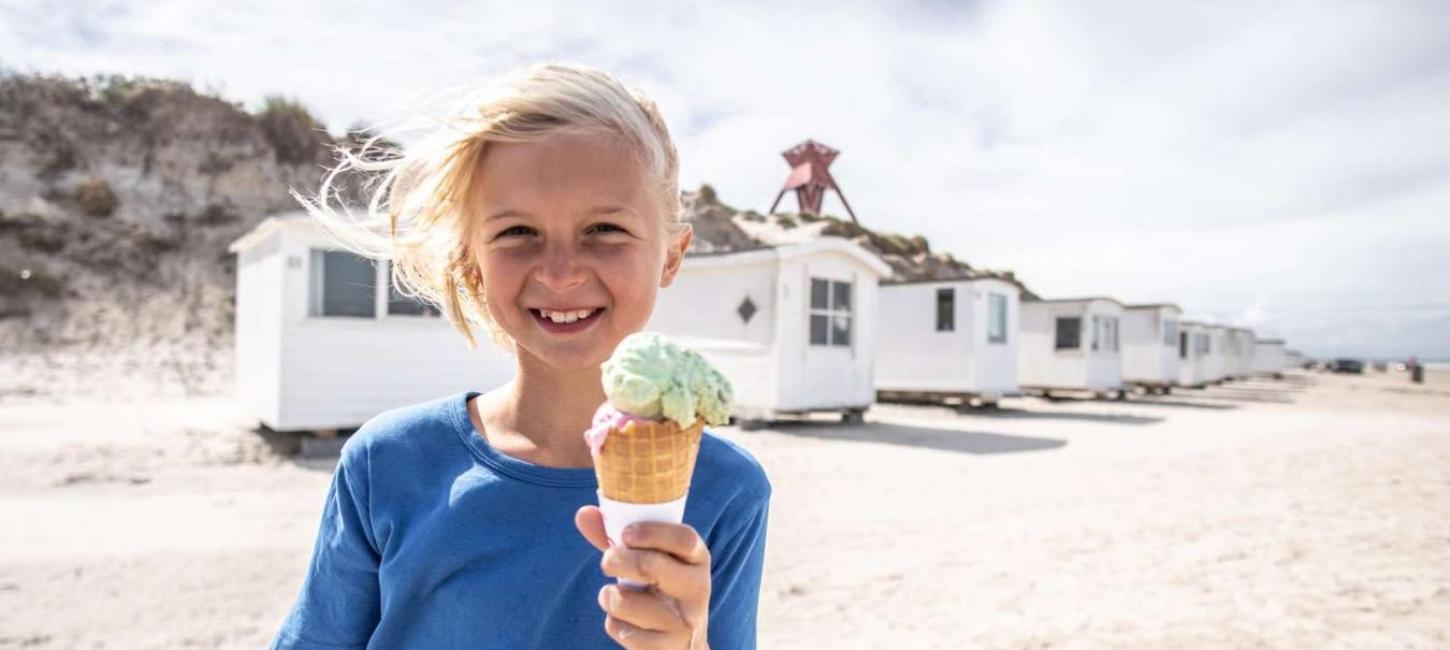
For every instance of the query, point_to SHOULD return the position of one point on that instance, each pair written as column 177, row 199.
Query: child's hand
column 672, row 559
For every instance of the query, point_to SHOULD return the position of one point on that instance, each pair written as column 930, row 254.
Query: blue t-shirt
column 431, row 538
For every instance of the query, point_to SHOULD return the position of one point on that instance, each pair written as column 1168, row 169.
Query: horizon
column 1281, row 168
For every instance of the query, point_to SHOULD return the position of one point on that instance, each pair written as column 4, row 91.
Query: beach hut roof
column 1156, row 305
column 789, row 251
column 265, row 229
column 1115, row 301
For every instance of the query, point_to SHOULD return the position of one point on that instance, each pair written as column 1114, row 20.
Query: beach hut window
column 996, row 318
column 1183, row 345
column 404, row 305
column 1170, row 332
column 1069, row 333
column 946, row 308
column 830, row 317
column 342, row 284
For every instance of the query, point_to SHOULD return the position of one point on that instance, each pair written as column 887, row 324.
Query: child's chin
column 574, row 355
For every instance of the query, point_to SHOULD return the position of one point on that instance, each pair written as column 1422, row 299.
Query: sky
column 1283, row 166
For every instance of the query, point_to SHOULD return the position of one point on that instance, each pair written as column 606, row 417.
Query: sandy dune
column 1312, row 512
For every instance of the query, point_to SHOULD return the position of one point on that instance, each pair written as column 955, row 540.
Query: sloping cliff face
column 118, row 198
column 720, row 227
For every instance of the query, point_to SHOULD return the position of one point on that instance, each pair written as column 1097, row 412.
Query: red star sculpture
column 810, row 178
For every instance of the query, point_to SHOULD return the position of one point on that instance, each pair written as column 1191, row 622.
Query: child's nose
column 560, row 269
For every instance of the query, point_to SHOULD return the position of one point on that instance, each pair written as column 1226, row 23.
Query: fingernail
column 631, row 533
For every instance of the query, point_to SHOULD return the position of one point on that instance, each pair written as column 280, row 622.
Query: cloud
column 1231, row 157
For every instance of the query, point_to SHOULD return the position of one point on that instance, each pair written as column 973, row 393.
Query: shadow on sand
column 304, row 449
column 1233, row 393
column 1153, row 401
column 1106, row 418
column 967, row 442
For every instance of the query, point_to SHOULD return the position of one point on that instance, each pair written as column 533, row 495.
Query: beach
column 1306, row 512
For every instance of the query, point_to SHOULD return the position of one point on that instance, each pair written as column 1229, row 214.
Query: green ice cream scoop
column 650, row 377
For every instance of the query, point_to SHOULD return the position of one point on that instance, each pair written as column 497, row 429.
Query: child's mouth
column 566, row 321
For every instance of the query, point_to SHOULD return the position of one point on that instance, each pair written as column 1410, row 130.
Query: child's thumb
column 590, row 522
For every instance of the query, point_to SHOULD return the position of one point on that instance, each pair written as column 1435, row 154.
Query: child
column 548, row 213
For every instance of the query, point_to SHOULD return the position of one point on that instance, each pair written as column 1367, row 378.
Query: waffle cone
column 648, row 462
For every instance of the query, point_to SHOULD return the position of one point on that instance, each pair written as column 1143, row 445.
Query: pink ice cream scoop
column 606, row 418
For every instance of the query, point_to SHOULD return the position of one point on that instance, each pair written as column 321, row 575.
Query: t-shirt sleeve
column 737, row 562
column 339, row 604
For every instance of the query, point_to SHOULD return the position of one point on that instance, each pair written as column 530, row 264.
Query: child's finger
column 635, row 638
column 590, row 523
column 679, row 540
column 645, row 609
column 687, row 583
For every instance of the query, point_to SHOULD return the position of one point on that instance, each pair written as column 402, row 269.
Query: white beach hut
column 1070, row 345
column 1240, row 352
column 1150, row 346
column 324, row 342
column 953, row 341
column 1270, row 359
column 793, row 327
column 1192, row 350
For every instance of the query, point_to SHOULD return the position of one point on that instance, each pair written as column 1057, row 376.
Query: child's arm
column 339, row 603
column 735, row 573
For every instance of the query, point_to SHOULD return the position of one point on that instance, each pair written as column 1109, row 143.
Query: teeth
column 565, row 316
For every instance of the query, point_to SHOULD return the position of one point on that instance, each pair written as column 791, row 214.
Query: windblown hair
column 420, row 212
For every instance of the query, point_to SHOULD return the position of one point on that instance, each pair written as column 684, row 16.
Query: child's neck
column 541, row 415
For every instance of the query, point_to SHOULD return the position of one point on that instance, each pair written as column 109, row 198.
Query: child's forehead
column 561, row 170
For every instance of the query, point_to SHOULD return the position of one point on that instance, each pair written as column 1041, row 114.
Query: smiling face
column 571, row 245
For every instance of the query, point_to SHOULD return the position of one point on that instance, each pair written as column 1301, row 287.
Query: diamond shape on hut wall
column 746, row 309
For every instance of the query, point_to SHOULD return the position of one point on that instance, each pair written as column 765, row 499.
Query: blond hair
column 420, row 209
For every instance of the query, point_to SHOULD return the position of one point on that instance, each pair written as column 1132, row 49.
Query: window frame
column 1057, row 329
column 317, row 285
column 946, row 313
column 832, row 313
column 993, row 301
column 393, row 295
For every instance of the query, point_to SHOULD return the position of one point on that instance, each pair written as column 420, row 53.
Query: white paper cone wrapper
column 618, row 515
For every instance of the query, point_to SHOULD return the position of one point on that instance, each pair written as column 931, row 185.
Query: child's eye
column 606, row 227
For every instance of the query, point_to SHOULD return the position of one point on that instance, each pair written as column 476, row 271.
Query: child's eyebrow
column 603, row 209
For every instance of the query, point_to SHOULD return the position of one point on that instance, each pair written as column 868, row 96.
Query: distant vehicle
column 1353, row 366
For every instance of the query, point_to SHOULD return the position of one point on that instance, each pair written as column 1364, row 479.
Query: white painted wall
column 1192, row 367
column 1150, row 356
column 994, row 364
column 1042, row 366
column 258, row 319
column 914, row 356
column 1215, row 363
column 1241, row 351
column 1269, row 357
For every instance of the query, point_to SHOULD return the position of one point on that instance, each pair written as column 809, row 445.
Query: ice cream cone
column 648, row 461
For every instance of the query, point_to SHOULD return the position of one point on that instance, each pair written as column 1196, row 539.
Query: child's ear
column 675, row 253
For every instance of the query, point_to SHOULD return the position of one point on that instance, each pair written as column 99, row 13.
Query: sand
column 1311, row 512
